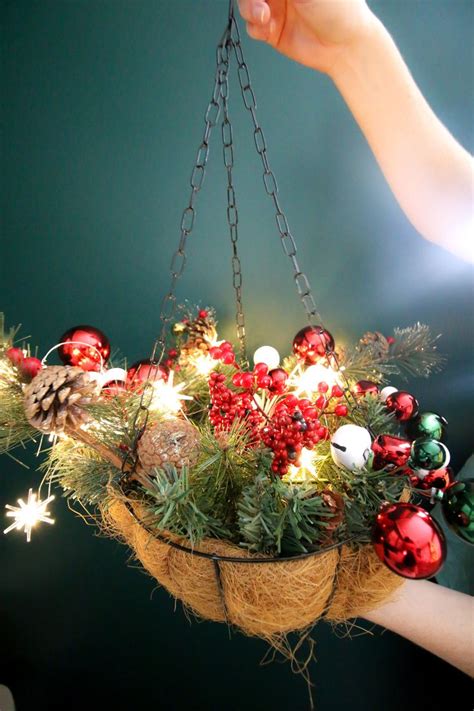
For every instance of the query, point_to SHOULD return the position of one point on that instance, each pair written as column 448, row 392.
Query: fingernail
column 258, row 12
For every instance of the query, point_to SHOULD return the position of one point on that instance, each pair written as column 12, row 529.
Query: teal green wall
column 103, row 104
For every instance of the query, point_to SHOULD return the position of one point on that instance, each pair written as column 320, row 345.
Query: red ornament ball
column 390, row 451
column 15, row 356
column 434, row 479
column 312, row 343
column 144, row 370
column 278, row 378
column 365, row 387
column 402, row 404
column 30, row 367
column 409, row 541
column 85, row 347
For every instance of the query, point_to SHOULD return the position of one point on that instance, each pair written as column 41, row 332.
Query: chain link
column 229, row 42
column 271, row 186
column 178, row 261
column 232, row 211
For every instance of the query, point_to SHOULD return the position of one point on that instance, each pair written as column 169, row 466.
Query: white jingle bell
column 351, row 447
column 385, row 392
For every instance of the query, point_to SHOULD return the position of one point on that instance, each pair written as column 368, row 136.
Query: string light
column 28, row 514
column 307, row 381
column 167, row 398
column 306, row 469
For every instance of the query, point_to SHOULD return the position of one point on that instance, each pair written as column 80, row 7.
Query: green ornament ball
column 458, row 508
column 427, row 424
column 428, row 454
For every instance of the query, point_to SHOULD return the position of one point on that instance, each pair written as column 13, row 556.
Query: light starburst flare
column 28, row 514
column 167, row 397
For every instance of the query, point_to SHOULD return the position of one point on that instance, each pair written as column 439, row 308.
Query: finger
column 255, row 11
column 258, row 32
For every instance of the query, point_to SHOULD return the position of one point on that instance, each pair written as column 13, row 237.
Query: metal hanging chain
column 232, row 212
column 271, row 187
column 178, row 261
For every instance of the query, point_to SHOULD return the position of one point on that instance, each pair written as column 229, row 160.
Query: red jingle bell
column 409, row 541
column 313, row 343
column 279, row 378
column 402, row 404
column 434, row 479
column 390, row 451
column 365, row 387
column 143, row 370
column 85, row 347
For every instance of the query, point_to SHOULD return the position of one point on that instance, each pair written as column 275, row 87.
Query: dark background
column 103, row 112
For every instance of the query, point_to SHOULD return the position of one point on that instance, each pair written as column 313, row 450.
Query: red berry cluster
column 223, row 352
column 322, row 402
column 295, row 424
column 170, row 362
column 28, row 366
column 228, row 405
column 261, row 378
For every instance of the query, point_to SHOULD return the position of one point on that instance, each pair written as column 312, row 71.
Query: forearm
column 433, row 617
column 430, row 174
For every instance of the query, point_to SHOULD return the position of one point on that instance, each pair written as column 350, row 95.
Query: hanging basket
column 219, row 581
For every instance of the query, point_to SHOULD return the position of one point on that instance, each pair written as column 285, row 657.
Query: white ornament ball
column 267, row 355
column 351, row 447
column 385, row 392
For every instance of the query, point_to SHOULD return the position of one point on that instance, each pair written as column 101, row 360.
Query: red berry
column 261, row 369
column 321, row 402
column 247, row 380
column 15, row 356
column 323, row 387
column 203, row 313
column 341, row 410
column 215, row 352
column 31, row 367
column 336, row 391
column 390, row 340
column 237, row 380
column 228, row 358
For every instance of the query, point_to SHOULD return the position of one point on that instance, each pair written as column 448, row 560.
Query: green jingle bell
column 428, row 454
column 458, row 508
column 427, row 424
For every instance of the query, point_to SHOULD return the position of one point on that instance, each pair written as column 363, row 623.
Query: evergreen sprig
column 413, row 353
column 80, row 471
column 275, row 517
column 177, row 507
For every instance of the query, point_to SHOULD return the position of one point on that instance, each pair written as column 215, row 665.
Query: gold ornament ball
column 170, row 442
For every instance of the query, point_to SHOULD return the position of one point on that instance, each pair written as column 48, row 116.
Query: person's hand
column 312, row 32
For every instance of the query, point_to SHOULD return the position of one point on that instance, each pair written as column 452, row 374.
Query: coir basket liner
column 265, row 600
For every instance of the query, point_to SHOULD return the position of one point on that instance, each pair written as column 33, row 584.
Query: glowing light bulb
column 203, row 363
column 308, row 380
column 167, row 398
column 267, row 355
column 28, row 514
column 306, row 468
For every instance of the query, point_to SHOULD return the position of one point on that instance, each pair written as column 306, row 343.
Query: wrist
column 363, row 48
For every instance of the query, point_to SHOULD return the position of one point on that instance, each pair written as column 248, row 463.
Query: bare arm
column 430, row 174
column 433, row 617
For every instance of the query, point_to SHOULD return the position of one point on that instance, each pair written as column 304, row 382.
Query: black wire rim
column 234, row 559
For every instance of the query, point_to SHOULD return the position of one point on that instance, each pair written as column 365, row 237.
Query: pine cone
column 174, row 442
column 376, row 343
column 55, row 398
column 193, row 347
column 335, row 504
